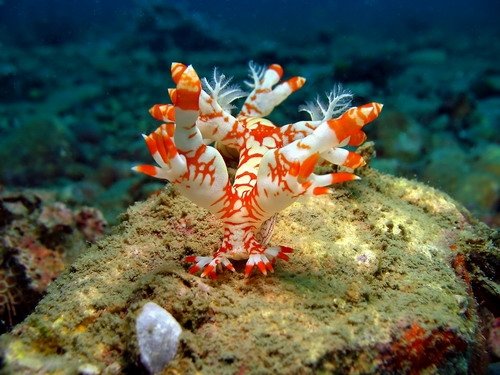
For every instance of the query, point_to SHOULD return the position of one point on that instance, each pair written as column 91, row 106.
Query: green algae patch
column 373, row 277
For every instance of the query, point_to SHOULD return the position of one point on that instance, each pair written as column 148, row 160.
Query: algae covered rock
column 39, row 237
column 378, row 283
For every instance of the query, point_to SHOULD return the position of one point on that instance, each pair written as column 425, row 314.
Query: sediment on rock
column 378, row 283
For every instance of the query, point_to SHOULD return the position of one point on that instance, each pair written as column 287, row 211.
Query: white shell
column 158, row 336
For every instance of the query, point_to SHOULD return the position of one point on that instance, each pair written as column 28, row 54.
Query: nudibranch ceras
column 275, row 165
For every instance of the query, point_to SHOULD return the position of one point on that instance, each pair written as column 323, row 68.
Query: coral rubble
column 38, row 239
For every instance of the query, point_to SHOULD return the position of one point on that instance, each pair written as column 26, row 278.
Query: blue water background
column 293, row 19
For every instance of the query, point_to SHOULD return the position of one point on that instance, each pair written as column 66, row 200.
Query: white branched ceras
column 275, row 165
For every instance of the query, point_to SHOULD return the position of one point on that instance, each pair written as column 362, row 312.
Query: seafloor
column 377, row 284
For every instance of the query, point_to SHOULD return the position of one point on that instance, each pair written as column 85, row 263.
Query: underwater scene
column 249, row 187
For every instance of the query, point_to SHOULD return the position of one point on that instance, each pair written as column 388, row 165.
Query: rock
column 56, row 217
column 401, row 137
column 90, row 222
column 494, row 338
column 24, row 169
column 487, row 85
column 488, row 160
column 158, row 336
column 480, row 190
column 486, row 128
column 446, row 168
column 371, row 287
column 427, row 56
column 38, row 238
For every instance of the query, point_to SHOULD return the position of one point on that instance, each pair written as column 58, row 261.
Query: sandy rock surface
column 377, row 284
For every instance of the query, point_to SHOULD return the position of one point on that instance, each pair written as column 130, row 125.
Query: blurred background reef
column 77, row 79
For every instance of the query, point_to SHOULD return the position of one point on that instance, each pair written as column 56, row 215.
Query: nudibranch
column 276, row 164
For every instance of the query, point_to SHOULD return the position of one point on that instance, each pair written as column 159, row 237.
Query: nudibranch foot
column 208, row 265
column 264, row 261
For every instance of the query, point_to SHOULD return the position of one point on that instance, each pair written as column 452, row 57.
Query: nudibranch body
column 275, row 165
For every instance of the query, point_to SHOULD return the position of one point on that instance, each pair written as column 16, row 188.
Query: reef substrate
column 380, row 282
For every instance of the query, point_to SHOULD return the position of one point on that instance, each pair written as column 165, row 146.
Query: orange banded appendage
column 163, row 112
column 188, row 89
column 349, row 124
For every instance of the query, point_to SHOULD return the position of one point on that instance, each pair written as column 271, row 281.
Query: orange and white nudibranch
column 275, row 166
